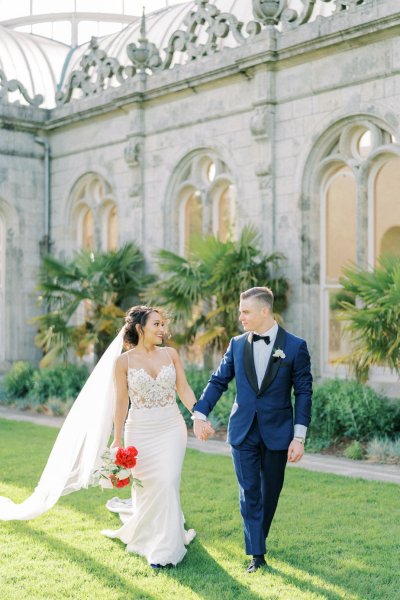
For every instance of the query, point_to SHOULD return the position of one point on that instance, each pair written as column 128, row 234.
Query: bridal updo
column 135, row 319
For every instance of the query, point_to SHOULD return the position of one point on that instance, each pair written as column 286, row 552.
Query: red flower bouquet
column 126, row 457
column 115, row 471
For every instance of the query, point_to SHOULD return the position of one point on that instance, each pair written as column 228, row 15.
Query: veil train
column 77, row 451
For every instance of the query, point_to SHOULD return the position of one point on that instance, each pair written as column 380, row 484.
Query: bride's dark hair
column 137, row 315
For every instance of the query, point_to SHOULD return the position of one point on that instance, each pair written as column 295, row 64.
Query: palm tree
column 372, row 315
column 202, row 290
column 85, row 298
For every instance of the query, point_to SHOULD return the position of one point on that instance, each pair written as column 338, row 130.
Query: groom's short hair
column 262, row 294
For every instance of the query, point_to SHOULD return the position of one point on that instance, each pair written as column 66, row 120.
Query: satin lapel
column 248, row 362
column 273, row 365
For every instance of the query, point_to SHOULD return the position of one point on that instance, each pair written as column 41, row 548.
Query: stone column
column 262, row 126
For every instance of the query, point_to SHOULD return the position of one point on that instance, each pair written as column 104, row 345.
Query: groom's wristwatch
column 299, row 439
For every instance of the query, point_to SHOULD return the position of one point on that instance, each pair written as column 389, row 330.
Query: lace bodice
column 146, row 391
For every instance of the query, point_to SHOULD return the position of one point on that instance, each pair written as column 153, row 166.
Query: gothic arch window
column 205, row 198
column 87, row 235
column 225, row 211
column 193, row 219
column 94, row 223
column 112, row 228
column 355, row 179
column 94, row 214
column 339, row 249
column 385, row 211
column 2, row 285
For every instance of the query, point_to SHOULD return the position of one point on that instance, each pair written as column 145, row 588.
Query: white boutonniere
column 278, row 353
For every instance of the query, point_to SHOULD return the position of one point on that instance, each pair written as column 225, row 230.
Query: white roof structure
column 42, row 65
column 35, row 61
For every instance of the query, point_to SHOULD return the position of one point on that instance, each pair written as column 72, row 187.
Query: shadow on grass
column 204, row 576
column 207, row 576
column 307, row 586
column 112, row 580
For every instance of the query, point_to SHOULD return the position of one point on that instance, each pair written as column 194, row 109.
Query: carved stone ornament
column 207, row 19
column 97, row 70
column 274, row 12
column 135, row 191
column 133, row 155
column 203, row 27
column 133, row 151
column 342, row 5
column 260, row 123
column 143, row 56
column 13, row 85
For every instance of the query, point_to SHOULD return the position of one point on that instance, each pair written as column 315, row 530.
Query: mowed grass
column 333, row 537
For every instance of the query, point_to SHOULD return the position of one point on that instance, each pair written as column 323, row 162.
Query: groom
column 267, row 362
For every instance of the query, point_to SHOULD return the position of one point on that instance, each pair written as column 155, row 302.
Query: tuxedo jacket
column 271, row 402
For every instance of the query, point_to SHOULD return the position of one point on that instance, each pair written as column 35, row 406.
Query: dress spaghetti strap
column 129, row 359
column 169, row 356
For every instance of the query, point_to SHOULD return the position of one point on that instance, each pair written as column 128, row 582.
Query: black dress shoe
column 256, row 563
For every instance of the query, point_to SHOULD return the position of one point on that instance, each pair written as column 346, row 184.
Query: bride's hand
column 116, row 444
column 209, row 430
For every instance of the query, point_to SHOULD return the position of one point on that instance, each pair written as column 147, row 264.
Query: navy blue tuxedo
column 272, row 402
column 261, row 422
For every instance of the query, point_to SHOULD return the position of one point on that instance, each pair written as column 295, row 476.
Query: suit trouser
column 260, row 473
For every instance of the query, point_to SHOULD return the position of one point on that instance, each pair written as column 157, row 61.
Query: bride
column 146, row 376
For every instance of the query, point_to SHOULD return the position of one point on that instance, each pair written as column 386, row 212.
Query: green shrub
column 18, row 381
column 355, row 451
column 24, row 403
column 61, row 381
column 348, row 409
column 59, row 408
column 384, row 450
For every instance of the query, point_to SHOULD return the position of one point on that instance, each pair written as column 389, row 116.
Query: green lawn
column 333, row 537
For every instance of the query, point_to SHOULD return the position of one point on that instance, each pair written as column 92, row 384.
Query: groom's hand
column 295, row 451
column 202, row 429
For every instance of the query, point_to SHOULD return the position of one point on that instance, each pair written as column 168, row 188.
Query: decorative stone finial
column 13, row 85
column 143, row 56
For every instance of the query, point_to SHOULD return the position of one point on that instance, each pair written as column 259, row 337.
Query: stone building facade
column 289, row 122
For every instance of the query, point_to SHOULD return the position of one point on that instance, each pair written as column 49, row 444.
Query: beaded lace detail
column 146, row 391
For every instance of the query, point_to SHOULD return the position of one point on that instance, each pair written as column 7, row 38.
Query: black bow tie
column 257, row 337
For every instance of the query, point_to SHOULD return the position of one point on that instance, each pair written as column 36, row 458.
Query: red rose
column 122, row 482
column 126, row 457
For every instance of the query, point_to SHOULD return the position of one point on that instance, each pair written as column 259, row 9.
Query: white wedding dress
column 153, row 525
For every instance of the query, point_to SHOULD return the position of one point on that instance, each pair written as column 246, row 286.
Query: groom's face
column 254, row 315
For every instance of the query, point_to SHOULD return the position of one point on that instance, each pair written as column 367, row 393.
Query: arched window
column 112, row 229
column 87, row 242
column 2, row 285
column 95, row 215
column 355, row 176
column 226, row 221
column 387, row 209
column 205, row 196
column 339, row 233
column 193, row 219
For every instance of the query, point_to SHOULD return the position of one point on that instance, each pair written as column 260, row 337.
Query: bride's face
column 154, row 330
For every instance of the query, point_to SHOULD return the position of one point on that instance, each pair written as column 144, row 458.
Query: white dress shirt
column 262, row 353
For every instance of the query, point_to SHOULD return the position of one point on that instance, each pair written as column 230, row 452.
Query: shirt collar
column 271, row 332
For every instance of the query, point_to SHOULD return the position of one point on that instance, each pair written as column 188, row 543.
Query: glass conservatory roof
column 42, row 41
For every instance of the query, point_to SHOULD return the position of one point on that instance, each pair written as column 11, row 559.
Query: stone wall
column 267, row 108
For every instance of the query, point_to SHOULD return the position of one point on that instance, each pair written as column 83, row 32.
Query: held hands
column 295, row 451
column 202, row 429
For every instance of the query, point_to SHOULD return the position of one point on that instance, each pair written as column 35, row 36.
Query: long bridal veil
column 80, row 443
